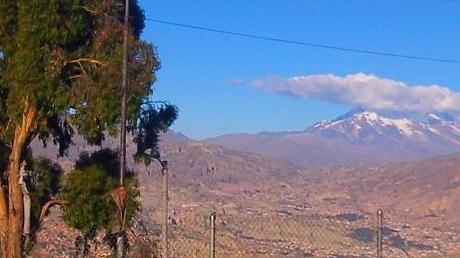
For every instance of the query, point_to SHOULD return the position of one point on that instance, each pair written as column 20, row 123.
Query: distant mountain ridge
column 362, row 137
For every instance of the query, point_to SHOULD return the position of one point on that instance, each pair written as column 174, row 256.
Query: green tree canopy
column 64, row 58
column 60, row 63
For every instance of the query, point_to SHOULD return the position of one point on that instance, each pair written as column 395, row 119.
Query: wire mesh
column 189, row 238
column 415, row 241
column 295, row 232
column 291, row 236
column 300, row 235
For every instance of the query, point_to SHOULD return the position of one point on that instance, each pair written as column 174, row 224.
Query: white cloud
column 236, row 81
column 366, row 91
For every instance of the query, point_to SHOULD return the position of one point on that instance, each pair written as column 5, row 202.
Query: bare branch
column 74, row 76
column 88, row 10
column 88, row 60
column 48, row 205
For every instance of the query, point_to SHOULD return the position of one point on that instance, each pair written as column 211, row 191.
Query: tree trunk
column 3, row 220
column 15, row 204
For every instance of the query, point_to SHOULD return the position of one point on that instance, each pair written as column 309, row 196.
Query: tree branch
column 87, row 60
column 74, row 77
column 82, row 68
column 48, row 205
column 88, row 10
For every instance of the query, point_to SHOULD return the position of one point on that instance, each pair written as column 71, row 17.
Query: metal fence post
column 379, row 234
column 212, row 219
column 165, row 171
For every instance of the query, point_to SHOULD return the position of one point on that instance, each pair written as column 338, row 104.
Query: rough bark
column 15, row 196
column 3, row 220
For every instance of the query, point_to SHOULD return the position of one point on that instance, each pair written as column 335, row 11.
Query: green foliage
column 62, row 60
column 150, row 123
column 88, row 195
column 88, row 189
column 64, row 57
column 44, row 184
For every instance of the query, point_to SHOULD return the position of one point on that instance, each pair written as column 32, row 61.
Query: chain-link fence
column 297, row 235
column 291, row 235
column 242, row 230
column 416, row 241
column 189, row 238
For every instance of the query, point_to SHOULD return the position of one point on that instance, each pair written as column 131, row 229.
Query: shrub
column 44, row 184
column 87, row 191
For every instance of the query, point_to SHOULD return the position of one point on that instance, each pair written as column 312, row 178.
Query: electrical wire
column 307, row 44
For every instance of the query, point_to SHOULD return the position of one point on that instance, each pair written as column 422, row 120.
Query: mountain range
column 362, row 137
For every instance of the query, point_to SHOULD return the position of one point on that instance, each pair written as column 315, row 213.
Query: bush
column 44, row 184
column 87, row 191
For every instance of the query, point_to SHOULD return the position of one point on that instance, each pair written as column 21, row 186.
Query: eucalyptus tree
column 60, row 63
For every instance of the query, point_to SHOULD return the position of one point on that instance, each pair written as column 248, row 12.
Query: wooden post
column 124, row 89
column 164, row 169
column 379, row 234
column 212, row 219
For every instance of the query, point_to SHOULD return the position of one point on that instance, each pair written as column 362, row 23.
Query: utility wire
column 308, row 44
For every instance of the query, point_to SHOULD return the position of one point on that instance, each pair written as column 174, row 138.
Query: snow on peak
column 367, row 114
column 369, row 119
column 404, row 125
column 433, row 116
column 322, row 124
column 433, row 119
column 371, row 127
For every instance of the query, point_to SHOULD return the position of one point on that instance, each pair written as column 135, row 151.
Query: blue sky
column 197, row 67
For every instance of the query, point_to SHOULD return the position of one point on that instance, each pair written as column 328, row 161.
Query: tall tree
column 60, row 63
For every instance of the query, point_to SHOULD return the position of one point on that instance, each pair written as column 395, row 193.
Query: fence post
column 165, row 171
column 379, row 233
column 212, row 219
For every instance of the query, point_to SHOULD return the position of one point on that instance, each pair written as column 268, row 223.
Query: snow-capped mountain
column 369, row 127
column 357, row 137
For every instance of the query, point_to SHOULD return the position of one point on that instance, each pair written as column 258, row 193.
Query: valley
column 270, row 208
column 307, row 212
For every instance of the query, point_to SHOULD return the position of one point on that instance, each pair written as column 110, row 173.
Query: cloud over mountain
column 366, row 91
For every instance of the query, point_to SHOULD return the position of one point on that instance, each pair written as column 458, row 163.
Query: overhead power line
column 307, row 44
